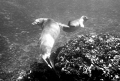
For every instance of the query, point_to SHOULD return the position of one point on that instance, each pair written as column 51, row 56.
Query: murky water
column 16, row 17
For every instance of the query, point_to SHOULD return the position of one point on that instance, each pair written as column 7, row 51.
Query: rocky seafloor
column 94, row 57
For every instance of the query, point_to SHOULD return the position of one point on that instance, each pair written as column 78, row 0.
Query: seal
column 78, row 22
column 50, row 32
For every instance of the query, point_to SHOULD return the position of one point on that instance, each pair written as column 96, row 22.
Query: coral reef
column 93, row 57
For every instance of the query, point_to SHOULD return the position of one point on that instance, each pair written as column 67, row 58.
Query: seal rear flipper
column 48, row 61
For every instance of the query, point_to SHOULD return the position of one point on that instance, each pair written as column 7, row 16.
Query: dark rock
column 85, row 58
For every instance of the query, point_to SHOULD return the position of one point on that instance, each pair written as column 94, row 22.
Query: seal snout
column 34, row 23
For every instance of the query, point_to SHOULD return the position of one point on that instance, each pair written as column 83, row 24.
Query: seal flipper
column 47, row 60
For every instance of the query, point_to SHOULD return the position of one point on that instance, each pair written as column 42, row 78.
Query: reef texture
column 93, row 57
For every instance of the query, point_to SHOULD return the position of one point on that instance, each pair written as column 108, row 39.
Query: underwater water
column 19, row 46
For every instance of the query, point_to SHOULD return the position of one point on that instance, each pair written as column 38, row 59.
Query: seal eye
column 85, row 18
column 37, row 21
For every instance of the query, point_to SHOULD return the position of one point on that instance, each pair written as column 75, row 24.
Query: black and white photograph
column 59, row 40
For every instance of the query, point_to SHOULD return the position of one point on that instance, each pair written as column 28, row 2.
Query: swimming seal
column 50, row 32
column 78, row 22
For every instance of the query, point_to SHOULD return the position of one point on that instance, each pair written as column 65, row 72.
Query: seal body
column 50, row 33
column 78, row 22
